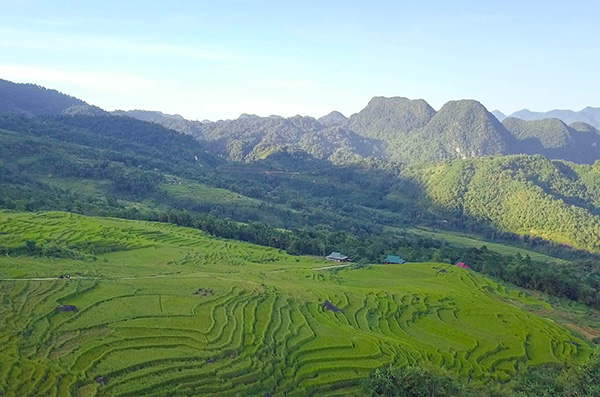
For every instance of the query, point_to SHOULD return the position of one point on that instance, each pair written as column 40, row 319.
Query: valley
column 154, row 255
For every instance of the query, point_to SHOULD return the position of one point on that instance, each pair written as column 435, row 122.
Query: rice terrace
column 156, row 309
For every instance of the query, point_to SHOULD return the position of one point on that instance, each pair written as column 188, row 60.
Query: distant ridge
column 587, row 115
column 333, row 118
column 33, row 100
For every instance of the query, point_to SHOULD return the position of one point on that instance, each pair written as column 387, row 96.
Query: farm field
column 155, row 309
column 180, row 187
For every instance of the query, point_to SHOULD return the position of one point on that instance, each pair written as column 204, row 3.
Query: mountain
column 499, row 115
column 332, row 119
column 588, row 115
column 584, row 127
column 252, row 138
column 389, row 119
column 31, row 100
column 459, row 130
column 536, row 135
column 554, row 139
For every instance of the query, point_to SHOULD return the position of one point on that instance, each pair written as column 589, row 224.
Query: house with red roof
column 463, row 265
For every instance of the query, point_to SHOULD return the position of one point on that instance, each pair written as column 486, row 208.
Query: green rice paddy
column 172, row 311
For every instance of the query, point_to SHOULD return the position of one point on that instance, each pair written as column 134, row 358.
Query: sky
column 219, row 59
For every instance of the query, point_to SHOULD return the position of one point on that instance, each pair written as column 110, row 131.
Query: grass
column 140, row 324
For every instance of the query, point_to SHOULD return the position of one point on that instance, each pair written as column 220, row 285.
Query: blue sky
column 218, row 59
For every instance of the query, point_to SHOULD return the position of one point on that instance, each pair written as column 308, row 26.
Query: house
column 337, row 257
column 463, row 265
column 393, row 260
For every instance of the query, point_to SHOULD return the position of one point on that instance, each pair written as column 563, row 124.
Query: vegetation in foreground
column 542, row 380
column 150, row 307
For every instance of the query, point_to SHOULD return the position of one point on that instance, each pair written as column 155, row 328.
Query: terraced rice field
column 257, row 326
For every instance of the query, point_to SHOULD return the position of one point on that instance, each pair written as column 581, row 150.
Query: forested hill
column 460, row 130
column 390, row 119
column 528, row 195
column 579, row 142
column 31, row 99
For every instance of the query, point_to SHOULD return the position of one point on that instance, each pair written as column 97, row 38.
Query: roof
column 463, row 265
column 394, row 259
column 337, row 255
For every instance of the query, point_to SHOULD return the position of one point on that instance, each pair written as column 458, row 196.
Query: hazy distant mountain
column 584, row 127
column 588, row 115
column 499, row 115
column 333, row 118
column 390, row 118
column 460, row 130
column 32, row 100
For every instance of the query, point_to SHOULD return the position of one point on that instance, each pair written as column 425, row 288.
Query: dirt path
column 332, row 267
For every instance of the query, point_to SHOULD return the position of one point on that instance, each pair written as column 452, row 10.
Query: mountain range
column 387, row 131
column 588, row 115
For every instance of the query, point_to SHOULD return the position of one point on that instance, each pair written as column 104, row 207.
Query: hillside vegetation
column 460, row 130
column 554, row 139
column 528, row 195
column 152, row 309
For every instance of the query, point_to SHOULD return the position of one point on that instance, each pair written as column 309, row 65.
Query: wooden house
column 337, row 257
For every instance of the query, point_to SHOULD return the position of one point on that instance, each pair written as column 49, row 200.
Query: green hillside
column 528, row 195
column 164, row 309
column 554, row 139
column 459, row 130
column 390, row 119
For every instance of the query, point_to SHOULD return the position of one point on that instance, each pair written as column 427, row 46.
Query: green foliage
column 413, row 382
column 528, row 195
column 554, row 139
column 391, row 119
